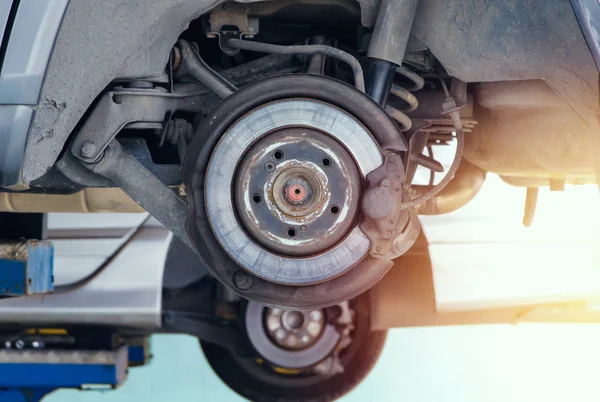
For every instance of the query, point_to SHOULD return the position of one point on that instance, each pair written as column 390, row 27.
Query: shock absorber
column 388, row 45
column 386, row 53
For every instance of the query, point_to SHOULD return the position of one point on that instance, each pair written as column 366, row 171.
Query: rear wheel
column 268, row 376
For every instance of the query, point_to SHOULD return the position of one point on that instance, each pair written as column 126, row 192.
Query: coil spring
column 415, row 83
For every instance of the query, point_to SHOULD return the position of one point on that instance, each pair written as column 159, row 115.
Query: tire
column 257, row 381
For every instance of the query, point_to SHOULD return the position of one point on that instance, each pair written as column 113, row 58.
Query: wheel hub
column 297, row 191
column 282, row 192
column 292, row 329
column 291, row 338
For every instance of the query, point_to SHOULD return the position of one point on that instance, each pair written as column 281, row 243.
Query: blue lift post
column 27, row 375
column 26, row 268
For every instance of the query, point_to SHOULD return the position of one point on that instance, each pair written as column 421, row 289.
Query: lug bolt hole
column 334, row 209
column 256, row 198
column 278, row 155
column 296, row 191
column 291, row 232
column 326, row 162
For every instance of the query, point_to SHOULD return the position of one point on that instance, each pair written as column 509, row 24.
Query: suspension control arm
column 143, row 187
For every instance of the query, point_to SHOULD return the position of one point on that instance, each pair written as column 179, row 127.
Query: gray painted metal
column 126, row 294
column 392, row 29
column 5, row 7
column 135, row 39
column 143, row 187
column 14, row 125
column 60, row 356
column 21, row 75
column 29, row 47
column 521, row 40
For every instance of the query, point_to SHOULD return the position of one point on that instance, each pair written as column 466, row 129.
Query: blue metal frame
column 32, row 275
column 32, row 381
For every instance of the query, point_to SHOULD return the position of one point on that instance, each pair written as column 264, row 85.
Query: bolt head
column 88, row 149
column 295, row 193
column 269, row 167
column 243, row 280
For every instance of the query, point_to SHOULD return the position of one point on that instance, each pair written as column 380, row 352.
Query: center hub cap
column 297, row 191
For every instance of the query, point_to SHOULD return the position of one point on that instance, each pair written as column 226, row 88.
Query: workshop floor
column 458, row 364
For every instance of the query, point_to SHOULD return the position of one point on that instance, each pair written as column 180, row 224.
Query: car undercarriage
column 291, row 147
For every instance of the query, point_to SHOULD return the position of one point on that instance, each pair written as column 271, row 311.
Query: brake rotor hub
column 294, row 330
column 312, row 254
column 282, row 192
column 297, row 191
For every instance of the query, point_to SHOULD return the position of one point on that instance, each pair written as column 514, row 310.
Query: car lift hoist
column 35, row 362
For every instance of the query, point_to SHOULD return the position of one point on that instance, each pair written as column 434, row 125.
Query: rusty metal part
column 297, row 189
column 210, row 134
column 384, row 219
column 87, row 200
column 463, row 187
column 359, row 78
column 306, row 200
column 222, row 174
column 456, row 99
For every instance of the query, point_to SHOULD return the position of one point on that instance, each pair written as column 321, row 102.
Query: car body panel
column 127, row 293
column 99, row 42
column 588, row 15
column 14, row 126
column 30, row 43
column 27, row 50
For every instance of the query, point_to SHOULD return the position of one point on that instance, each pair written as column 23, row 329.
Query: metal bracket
column 223, row 22
column 385, row 220
column 122, row 106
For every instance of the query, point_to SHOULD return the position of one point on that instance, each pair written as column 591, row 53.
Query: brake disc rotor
column 290, row 339
column 266, row 270
column 295, row 167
